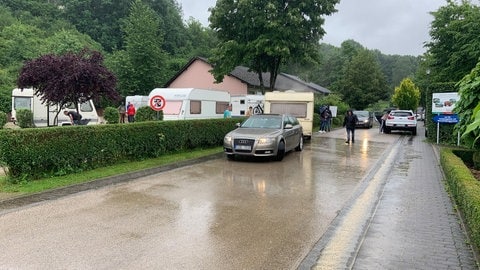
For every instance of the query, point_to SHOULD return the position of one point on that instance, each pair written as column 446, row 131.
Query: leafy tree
column 363, row 82
column 100, row 19
column 38, row 13
column 468, row 108
column 6, row 86
column 7, row 17
column 20, row 42
column 200, row 40
column 406, row 96
column 65, row 41
column 175, row 35
column 103, row 20
column 139, row 67
column 455, row 46
column 69, row 78
column 266, row 33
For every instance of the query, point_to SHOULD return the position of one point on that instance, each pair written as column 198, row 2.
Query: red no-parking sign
column 157, row 103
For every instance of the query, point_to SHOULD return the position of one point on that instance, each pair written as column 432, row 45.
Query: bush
column 111, row 115
column 465, row 190
column 147, row 114
column 3, row 119
column 30, row 154
column 25, row 118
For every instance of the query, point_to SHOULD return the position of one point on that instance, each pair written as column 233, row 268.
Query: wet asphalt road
column 218, row 214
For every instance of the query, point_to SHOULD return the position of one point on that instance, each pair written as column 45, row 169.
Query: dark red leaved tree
column 69, row 78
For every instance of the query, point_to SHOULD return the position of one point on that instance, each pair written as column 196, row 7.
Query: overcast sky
column 391, row 26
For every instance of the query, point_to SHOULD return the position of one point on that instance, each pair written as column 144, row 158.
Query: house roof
column 284, row 81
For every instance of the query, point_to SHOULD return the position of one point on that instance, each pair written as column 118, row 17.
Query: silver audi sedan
column 264, row 135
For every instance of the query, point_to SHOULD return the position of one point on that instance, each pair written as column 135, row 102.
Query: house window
column 195, row 107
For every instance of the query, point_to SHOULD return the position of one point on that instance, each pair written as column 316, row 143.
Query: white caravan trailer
column 192, row 103
column 44, row 115
column 298, row 104
column 137, row 101
column 240, row 104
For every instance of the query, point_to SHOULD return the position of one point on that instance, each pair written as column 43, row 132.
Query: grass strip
column 28, row 187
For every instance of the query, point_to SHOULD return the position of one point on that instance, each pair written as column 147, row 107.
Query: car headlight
column 266, row 140
column 366, row 121
column 227, row 139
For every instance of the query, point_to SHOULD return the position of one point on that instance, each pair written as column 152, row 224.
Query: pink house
column 241, row 81
column 196, row 74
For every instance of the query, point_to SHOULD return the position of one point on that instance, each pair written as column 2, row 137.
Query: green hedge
column 465, row 190
column 3, row 119
column 41, row 152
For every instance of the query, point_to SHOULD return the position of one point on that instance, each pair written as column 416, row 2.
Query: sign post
column 444, row 118
column 443, row 105
column 157, row 103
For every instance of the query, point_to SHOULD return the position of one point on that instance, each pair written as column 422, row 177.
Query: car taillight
column 411, row 118
column 390, row 117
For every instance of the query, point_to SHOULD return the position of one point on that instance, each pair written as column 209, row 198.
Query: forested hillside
column 145, row 42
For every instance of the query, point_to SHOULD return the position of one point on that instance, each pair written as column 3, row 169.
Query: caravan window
column 22, row 103
column 195, row 107
column 84, row 107
column 298, row 110
column 172, row 107
column 220, row 107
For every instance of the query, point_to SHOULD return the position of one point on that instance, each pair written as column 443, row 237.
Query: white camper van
column 298, row 104
column 192, row 103
column 240, row 104
column 44, row 115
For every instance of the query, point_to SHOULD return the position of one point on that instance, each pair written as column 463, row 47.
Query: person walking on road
column 382, row 121
column 349, row 123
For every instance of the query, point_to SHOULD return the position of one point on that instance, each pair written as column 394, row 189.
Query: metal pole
column 426, row 95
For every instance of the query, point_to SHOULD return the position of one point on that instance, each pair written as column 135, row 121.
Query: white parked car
column 401, row 120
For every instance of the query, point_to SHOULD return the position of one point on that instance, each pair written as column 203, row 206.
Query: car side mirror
column 237, row 125
column 288, row 126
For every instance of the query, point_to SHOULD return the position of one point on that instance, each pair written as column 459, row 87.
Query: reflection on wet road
column 215, row 215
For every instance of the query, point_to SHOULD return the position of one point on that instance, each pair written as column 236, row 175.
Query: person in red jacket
column 131, row 112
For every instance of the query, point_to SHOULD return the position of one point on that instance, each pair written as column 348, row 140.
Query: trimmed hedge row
column 30, row 154
column 465, row 190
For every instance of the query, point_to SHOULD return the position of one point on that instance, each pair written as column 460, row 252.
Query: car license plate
column 243, row 147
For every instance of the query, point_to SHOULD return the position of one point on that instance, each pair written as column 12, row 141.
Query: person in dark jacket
column 349, row 123
column 74, row 116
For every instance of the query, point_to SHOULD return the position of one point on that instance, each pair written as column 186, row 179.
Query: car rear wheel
column 414, row 131
column 280, row 151
column 387, row 130
column 300, row 144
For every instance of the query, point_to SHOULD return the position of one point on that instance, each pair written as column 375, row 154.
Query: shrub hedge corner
column 41, row 152
column 465, row 190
